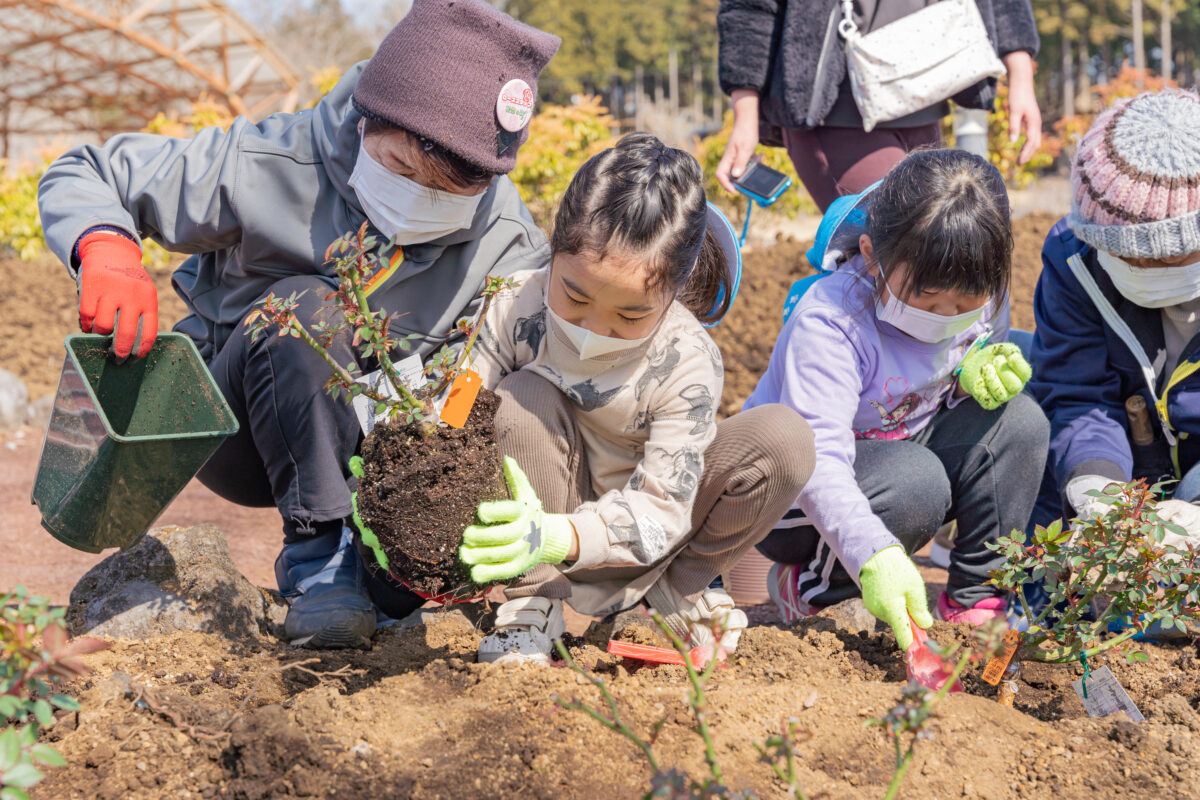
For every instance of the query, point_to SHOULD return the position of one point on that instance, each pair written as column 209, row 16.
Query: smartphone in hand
column 762, row 184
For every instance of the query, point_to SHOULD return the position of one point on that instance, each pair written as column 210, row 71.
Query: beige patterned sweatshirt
column 645, row 415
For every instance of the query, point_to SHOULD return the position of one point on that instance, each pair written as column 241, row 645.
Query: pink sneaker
column 981, row 613
column 781, row 585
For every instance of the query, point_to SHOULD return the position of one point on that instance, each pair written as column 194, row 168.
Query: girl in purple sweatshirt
column 898, row 362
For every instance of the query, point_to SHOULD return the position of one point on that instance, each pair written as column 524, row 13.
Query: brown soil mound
column 416, row 717
column 419, row 493
column 41, row 308
column 748, row 333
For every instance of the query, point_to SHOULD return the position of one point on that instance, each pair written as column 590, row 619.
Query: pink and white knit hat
column 1136, row 177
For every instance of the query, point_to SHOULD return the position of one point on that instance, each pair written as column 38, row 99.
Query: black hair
column 644, row 198
column 944, row 214
column 450, row 166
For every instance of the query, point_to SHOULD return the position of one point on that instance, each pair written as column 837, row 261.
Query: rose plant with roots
column 419, row 479
column 1126, row 566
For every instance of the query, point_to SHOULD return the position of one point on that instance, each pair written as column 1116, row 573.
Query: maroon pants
column 832, row 162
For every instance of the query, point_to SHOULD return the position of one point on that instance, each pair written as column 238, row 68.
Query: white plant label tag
column 1106, row 696
column 411, row 371
column 654, row 538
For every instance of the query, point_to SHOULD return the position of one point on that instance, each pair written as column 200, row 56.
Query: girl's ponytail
column 709, row 281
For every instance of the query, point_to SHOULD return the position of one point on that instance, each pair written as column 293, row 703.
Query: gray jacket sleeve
column 179, row 192
column 1015, row 27
column 747, row 41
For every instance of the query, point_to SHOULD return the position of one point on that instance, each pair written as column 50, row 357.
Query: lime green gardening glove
column 995, row 374
column 366, row 534
column 893, row 591
column 516, row 535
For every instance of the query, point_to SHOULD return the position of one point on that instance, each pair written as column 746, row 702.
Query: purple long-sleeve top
column 853, row 377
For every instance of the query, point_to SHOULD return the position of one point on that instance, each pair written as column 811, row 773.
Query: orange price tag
column 462, row 396
column 994, row 670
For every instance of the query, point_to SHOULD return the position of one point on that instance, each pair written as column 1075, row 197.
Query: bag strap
column 1121, row 328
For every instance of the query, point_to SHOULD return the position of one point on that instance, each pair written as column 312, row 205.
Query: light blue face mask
column 405, row 210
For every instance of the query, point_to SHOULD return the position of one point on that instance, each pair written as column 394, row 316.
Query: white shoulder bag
column 918, row 60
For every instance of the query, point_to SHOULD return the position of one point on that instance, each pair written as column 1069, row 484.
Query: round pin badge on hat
column 514, row 106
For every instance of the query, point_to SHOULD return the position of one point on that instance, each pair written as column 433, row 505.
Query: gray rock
column 14, row 401
column 850, row 615
column 38, row 414
column 174, row 579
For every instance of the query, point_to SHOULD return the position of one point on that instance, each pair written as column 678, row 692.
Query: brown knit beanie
column 461, row 74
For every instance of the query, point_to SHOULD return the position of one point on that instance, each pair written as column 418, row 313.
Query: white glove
column 1187, row 516
column 1087, row 507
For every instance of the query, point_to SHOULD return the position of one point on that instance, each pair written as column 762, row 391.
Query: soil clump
column 419, row 493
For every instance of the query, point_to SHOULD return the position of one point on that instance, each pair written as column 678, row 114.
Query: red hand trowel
column 925, row 666
column 658, row 655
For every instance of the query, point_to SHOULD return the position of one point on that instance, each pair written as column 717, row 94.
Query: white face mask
column 1156, row 287
column 404, row 209
column 591, row 345
column 924, row 326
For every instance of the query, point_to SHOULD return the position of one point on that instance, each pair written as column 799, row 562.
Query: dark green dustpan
column 124, row 439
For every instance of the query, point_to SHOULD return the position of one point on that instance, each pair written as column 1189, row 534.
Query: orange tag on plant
column 461, row 399
column 994, row 670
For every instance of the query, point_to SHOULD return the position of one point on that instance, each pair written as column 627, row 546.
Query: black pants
column 982, row 468
column 295, row 441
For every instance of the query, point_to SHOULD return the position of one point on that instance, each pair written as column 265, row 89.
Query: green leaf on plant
column 43, row 712
column 48, row 755
column 22, row 776
column 10, row 748
column 9, row 706
column 13, row 793
column 65, row 702
column 1137, row 655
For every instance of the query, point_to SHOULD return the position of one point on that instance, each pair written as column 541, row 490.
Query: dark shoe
column 322, row 579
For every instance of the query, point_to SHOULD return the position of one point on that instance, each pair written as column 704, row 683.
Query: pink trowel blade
column 651, row 654
column 925, row 666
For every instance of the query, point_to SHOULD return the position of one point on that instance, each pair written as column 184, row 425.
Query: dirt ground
column 194, row 716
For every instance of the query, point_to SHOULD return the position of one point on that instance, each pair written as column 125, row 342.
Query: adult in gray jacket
column 784, row 65
column 415, row 141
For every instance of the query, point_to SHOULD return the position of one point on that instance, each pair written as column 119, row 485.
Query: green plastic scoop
column 124, row 439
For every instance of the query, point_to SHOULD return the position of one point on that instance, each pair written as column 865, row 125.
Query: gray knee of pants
column 907, row 487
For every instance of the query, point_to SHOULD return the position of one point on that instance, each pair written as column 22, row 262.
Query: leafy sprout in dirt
column 34, row 656
column 664, row 783
column 905, row 724
column 356, row 258
column 1113, row 568
column 673, row 784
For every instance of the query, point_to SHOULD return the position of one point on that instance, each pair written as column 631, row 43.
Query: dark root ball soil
column 419, row 492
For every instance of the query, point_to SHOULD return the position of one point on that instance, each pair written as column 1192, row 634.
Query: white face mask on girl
column 1156, row 287
column 404, row 209
column 924, row 326
column 591, row 345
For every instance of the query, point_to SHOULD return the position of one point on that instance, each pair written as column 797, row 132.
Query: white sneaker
column 693, row 618
column 525, row 631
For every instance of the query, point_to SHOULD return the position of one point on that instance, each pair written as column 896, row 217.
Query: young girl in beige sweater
column 625, row 485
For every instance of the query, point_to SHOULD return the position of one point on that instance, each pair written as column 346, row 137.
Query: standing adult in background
column 784, row 66
column 417, row 142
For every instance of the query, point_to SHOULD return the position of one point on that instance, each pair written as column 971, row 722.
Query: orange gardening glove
column 111, row 280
